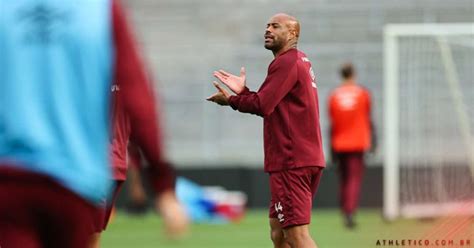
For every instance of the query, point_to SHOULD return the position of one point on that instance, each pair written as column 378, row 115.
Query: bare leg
column 277, row 235
column 299, row 237
column 95, row 240
column 136, row 191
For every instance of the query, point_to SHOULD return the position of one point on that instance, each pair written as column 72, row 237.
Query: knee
column 277, row 236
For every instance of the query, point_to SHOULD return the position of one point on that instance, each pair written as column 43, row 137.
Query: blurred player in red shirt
column 351, row 136
column 123, row 132
column 288, row 102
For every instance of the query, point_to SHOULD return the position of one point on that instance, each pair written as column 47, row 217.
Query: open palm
column 235, row 83
column 221, row 97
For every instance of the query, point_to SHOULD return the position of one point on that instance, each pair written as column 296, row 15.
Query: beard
column 274, row 45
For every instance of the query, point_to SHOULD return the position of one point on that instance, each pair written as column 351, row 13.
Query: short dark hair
column 347, row 70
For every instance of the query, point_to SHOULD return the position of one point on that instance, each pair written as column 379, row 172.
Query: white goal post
column 428, row 120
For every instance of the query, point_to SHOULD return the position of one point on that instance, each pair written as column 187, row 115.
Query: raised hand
column 221, row 97
column 235, row 83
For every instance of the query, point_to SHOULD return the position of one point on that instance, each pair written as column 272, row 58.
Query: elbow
column 265, row 112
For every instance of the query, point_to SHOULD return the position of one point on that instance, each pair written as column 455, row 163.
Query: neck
column 349, row 81
column 284, row 49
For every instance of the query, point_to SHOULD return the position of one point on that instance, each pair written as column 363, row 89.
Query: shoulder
column 335, row 91
column 361, row 87
column 290, row 57
column 365, row 90
column 364, row 93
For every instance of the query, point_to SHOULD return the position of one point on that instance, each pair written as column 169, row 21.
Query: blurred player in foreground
column 123, row 131
column 124, row 153
column 288, row 102
column 351, row 133
column 57, row 64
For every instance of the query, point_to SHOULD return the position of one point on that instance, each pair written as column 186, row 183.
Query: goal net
column 428, row 120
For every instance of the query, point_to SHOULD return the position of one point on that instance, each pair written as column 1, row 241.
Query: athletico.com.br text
column 423, row 242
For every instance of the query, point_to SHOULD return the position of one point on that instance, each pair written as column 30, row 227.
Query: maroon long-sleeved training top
column 288, row 102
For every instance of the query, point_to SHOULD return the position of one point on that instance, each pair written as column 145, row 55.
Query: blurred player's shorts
column 210, row 204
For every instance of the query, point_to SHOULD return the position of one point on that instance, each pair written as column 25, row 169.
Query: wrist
column 244, row 91
column 233, row 102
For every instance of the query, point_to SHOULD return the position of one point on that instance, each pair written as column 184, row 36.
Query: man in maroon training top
column 288, row 102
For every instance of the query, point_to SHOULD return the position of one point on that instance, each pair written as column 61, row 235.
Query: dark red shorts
column 103, row 213
column 292, row 195
column 37, row 212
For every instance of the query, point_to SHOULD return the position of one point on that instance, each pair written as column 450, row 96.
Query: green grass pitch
column 253, row 231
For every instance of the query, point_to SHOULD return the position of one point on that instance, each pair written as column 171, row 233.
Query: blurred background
column 184, row 41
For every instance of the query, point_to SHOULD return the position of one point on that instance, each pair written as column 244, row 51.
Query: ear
column 292, row 34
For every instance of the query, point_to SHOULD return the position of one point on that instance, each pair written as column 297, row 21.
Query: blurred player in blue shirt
column 58, row 60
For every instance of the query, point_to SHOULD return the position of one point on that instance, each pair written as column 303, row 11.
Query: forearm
column 160, row 172
column 145, row 134
column 246, row 102
column 163, row 177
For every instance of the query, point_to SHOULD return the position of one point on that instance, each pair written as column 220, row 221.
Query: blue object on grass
column 198, row 208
